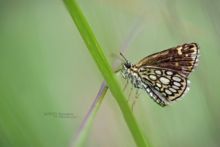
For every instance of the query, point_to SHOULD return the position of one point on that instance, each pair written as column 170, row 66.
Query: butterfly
column 163, row 75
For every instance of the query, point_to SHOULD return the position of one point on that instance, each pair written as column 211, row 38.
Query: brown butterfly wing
column 164, row 85
column 181, row 59
column 166, row 72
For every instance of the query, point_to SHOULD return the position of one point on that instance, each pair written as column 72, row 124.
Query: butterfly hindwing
column 165, row 85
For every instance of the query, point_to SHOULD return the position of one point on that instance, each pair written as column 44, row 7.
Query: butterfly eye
column 127, row 65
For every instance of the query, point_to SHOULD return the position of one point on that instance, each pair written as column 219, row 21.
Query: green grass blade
column 105, row 69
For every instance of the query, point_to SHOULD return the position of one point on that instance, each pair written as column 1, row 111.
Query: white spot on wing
column 158, row 85
column 158, row 72
column 168, row 92
column 169, row 73
column 175, row 87
column 179, row 50
column 176, row 79
column 173, row 90
column 164, row 80
column 177, row 84
column 152, row 77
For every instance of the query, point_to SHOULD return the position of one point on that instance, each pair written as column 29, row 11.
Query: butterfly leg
column 136, row 97
column 126, row 85
column 129, row 95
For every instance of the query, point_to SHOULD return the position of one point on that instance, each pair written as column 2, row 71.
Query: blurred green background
column 48, row 79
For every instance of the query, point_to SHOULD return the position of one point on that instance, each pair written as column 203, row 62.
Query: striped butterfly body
column 164, row 75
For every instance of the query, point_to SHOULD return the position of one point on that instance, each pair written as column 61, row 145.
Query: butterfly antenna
column 123, row 57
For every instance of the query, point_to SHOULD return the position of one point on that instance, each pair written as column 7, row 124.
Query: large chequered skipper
column 163, row 75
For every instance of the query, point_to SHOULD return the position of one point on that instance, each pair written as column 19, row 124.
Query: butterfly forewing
column 181, row 59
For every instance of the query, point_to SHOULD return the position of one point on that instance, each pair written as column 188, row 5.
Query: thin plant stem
column 103, row 88
column 104, row 67
column 87, row 121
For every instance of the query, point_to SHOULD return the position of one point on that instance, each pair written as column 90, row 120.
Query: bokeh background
column 48, row 80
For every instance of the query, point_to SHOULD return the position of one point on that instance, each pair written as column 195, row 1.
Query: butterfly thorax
column 130, row 72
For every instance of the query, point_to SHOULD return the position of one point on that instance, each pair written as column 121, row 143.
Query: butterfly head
column 126, row 63
column 126, row 67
